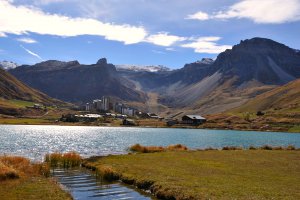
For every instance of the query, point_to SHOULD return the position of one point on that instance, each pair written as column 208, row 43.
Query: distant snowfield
column 7, row 65
column 139, row 68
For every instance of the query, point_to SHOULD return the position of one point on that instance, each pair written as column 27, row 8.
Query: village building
column 193, row 119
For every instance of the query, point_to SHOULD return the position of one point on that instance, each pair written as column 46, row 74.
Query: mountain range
column 237, row 75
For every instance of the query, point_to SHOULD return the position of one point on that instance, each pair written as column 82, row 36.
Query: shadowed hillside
column 71, row 81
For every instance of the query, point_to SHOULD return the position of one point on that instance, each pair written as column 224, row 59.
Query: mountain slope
column 12, row 88
column 71, row 81
column 250, row 68
column 283, row 97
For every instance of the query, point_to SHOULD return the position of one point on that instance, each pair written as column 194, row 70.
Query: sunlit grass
column 263, row 173
column 21, row 179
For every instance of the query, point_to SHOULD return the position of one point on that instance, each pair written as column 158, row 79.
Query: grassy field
column 20, row 179
column 33, row 121
column 215, row 174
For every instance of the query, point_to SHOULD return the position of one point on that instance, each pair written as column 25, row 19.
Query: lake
column 34, row 141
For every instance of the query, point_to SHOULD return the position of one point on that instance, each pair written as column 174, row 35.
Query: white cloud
column 164, row 39
column 31, row 53
column 26, row 40
column 21, row 20
column 3, row 35
column 259, row 11
column 206, row 45
column 199, row 16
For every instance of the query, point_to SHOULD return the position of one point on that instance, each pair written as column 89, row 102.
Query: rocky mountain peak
column 206, row 61
column 102, row 61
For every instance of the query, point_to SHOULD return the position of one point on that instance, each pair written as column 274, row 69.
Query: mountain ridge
column 250, row 68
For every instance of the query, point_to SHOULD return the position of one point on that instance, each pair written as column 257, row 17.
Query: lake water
column 34, row 141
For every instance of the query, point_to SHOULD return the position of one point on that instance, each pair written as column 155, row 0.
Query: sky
column 140, row 32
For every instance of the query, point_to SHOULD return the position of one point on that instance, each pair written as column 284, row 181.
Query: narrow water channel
column 82, row 185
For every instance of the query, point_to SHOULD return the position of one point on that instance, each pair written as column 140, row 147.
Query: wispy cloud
column 266, row 11
column 26, row 40
column 158, row 52
column 206, row 45
column 31, row 53
column 170, row 49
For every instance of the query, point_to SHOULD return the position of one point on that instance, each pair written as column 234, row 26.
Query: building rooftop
column 195, row 117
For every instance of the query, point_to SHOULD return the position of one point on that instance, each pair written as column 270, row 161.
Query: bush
column 177, row 147
column 152, row 149
column 266, row 147
column 260, row 113
column 291, row 147
column 232, row 148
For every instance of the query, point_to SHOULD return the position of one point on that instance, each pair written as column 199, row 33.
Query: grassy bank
column 215, row 174
column 20, row 179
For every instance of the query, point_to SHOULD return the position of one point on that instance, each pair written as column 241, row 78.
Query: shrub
column 252, row 147
column 232, row 148
column 260, row 113
column 210, row 148
column 266, row 147
column 278, row 148
column 146, row 149
column 291, row 147
column 177, row 147
column 152, row 149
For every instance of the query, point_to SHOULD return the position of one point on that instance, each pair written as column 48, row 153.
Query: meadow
column 259, row 173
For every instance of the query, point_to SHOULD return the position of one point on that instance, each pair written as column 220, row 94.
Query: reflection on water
column 83, row 185
column 34, row 141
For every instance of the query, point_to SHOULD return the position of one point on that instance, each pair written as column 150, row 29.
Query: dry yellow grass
column 65, row 160
column 21, row 179
column 152, row 149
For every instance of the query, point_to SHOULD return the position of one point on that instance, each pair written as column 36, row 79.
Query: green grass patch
column 20, row 103
column 243, row 174
column 295, row 129
column 24, row 121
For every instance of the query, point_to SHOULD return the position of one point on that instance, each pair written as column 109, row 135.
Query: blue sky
column 141, row 32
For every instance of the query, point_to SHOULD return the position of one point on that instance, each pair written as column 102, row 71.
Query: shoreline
column 162, row 127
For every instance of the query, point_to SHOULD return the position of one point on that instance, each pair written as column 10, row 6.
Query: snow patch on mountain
column 7, row 65
column 140, row 68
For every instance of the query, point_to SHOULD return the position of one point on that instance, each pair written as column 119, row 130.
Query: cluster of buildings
column 107, row 104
